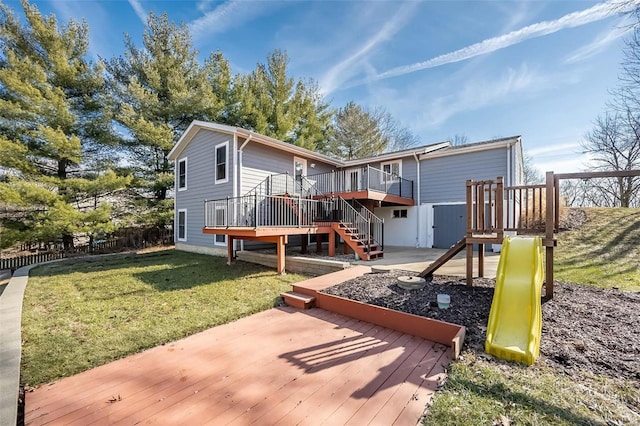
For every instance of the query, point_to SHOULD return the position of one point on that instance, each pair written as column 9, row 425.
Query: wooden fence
column 14, row 263
column 125, row 239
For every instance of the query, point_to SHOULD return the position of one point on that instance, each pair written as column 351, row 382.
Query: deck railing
column 274, row 211
column 284, row 183
column 256, row 211
column 362, row 179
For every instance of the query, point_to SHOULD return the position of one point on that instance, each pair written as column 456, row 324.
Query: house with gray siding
column 237, row 189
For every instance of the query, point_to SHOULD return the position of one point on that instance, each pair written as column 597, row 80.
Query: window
column 182, row 174
column 220, row 239
column 222, row 156
column 182, row 225
column 400, row 214
column 393, row 168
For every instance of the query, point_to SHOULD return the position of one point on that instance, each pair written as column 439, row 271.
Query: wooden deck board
column 280, row 365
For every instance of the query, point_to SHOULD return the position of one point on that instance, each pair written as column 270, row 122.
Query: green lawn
column 604, row 252
column 86, row 312
column 481, row 390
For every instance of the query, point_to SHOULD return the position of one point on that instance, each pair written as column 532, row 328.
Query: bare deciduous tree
column 459, row 139
column 614, row 144
column 531, row 174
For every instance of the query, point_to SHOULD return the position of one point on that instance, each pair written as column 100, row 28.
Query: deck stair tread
column 298, row 300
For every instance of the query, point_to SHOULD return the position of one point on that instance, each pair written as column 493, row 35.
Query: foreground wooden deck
column 281, row 366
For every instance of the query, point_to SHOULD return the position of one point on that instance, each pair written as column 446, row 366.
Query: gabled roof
column 473, row 147
column 435, row 150
column 409, row 152
column 197, row 125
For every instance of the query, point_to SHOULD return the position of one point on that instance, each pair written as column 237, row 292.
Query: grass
column 604, row 252
column 484, row 391
column 83, row 313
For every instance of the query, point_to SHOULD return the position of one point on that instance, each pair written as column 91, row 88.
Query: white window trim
column 186, row 165
column 399, row 161
column 215, row 236
column 178, row 225
column 215, row 164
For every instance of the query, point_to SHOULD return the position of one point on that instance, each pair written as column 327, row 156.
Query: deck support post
column 304, row 241
column 469, row 265
column 549, row 229
column 332, row 243
column 281, row 254
column 318, row 243
column 229, row 249
column 481, row 260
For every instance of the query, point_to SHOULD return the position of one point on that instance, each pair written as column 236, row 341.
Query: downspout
column 415, row 156
column 240, row 150
column 239, row 174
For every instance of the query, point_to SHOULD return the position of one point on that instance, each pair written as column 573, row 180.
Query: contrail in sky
column 596, row 13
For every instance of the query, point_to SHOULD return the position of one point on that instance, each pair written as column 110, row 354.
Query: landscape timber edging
column 437, row 331
column 295, row 264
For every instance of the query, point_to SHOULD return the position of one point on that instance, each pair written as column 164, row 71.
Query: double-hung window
column 220, row 239
column 182, row 174
column 182, row 225
column 222, row 159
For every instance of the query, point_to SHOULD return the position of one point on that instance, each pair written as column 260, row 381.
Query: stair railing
column 351, row 218
column 376, row 223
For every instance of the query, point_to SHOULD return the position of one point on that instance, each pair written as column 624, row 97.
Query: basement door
column 449, row 224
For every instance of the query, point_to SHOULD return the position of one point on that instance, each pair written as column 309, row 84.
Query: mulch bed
column 583, row 328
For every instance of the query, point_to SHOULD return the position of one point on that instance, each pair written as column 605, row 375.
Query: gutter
column 239, row 165
column 239, row 174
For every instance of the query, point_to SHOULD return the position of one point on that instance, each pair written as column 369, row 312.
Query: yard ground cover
column 602, row 252
column 82, row 313
column 589, row 370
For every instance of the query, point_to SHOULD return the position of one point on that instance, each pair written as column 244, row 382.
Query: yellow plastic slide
column 515, row 320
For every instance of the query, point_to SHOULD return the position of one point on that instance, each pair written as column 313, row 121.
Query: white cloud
column 137, row 7
column 340, row 72
column 598, row 44
column 228, row 15
column 477, row 93
column 554, row 149
column 596, row 13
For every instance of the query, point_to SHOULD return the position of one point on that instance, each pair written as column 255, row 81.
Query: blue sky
column 484, row 69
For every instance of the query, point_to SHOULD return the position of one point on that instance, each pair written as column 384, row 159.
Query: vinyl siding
column 200, row 182
column 260, row 161
column 443, row 179
column 409, row 172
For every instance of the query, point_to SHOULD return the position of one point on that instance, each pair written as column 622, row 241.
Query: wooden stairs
column 366, row 250
column 298, row 300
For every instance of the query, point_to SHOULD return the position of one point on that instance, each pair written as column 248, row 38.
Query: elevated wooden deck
column 280, row 366
column 373, row 195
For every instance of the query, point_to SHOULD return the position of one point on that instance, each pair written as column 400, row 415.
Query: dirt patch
column 584, row 328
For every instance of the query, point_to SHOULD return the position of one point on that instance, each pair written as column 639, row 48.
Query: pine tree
column 359, row 132
column 356, row 134
column 54, row 127
column 160, row 90
column 275, row 104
